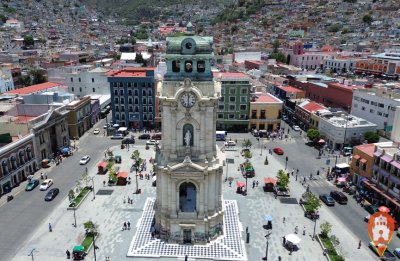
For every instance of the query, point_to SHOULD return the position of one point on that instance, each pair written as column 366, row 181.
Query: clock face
column 188, row 99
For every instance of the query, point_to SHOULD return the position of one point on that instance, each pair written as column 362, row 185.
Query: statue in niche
column 188, row 135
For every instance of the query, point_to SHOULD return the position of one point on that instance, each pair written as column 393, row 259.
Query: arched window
column 29, row 153
column 187, row 197
column 13, row 162
column 176, row 66
column 21, row 155
column 4, row 167
column 188, row 66
column 187, row 134
column 201, row 66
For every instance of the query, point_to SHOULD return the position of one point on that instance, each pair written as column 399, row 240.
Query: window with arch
column 21, row 156
column 4, row 167
column 187, row 197
column 29, row 153
column 188, row 66
column 201, row 66
column 13, row 162
column 176, row 66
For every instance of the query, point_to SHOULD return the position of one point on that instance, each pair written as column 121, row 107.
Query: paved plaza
column 111, row 211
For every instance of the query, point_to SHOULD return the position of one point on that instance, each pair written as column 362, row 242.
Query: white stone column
column 201, row 199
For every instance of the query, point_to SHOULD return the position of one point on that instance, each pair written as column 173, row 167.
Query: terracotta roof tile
column 34, row 88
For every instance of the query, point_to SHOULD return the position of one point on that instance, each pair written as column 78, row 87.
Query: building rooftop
column 313, row 107
column 129, row 72
column 266, row 98
column 231, row 75
column 348, row 121
column 367, row 149
column 34, row 88
column 289, row 88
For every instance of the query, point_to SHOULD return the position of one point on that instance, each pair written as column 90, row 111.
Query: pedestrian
column 129, row 200
column 68, row 254
column 254, row 183
column 318, row 173
column 50, row 228
column 257, row 183
column 359, row 244
column 304, row 230
column 284, row 241
column 41, row 175
column 230, row 183
column 129, row 225
column 296, row 177
column 304, row 180
column 104, row 183
column 284, row 219
column 124, row 228
column 297, row 171
column 296, row 230
column 45, row 176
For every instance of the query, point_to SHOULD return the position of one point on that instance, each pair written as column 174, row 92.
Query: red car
column 279, row 151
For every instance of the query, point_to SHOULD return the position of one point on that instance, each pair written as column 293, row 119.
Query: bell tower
column 188, row 166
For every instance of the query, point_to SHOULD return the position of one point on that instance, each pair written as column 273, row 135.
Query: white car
column 151, row 142
column 230, row 143
column 84, row 160
column 296, row 128
column 46, row 184
column 96, row 131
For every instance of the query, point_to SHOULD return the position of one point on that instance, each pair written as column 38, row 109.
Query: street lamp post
column 31, row 254
column 315, row 225
column 94, row 245
column 226, row 176
column 261, row 147
column 94, row 194
column 266, row 249
column 73, row 203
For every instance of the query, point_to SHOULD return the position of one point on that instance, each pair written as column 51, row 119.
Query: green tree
column 37, row 76
column 71, row 195
column 367, row 19
column 276, row 45
column 371, row 137
column 280, row 57
column 78, row 184
column 334, row 28
column 326, row 229
column 137, row 162
column 313, row 134
column 28, row 40
column 311, row 202
column 247, row 154
column 91, row 228
column 283, row 179
column 25, row 80
column 85, row 177
column 246, row 143
column 139, row 59
column 133, row 40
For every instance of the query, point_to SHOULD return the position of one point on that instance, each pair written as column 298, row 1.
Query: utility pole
column 31, row 254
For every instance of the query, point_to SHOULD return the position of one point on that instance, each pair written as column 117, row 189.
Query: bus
column 220, row 135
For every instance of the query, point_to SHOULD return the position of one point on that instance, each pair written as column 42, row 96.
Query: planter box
column 91, row 243
column 323, row 248
column 82, row 199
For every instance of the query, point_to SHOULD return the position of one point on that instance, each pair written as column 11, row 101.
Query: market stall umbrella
column 240, row 184
column 267, row 217
column 321, row 141
column 341, row 180
column 269, row 180
column 384, row 209
column 292, row 238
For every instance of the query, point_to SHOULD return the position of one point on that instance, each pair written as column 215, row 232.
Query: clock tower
column 188, row 162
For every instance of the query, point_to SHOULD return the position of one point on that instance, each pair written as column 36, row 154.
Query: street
column 20, row 217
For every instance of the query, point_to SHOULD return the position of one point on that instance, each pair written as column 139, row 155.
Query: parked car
column 339, row 197
column 371, row 209
column 279, row 151
column 46, row 184
column 156, row 136
column 117, row 137
column 151, row 142
column 32, row 184
column 84, row 160
column 328, row 200
column 144, row 136
column 106, row 126
column 387, row 255
column 230, row 143
column 296, row 128
column 96, row 131
column 51, row 194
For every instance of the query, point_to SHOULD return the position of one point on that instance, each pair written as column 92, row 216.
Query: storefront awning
column 356, row 157
column 363, row 161
column 378, row 153
column 395, row 164
column 387, row 158
column 102, row 164
column 382, row 193
column 122, row 174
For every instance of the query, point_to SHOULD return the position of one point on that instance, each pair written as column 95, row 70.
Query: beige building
column 265, row 112
column 79, row 117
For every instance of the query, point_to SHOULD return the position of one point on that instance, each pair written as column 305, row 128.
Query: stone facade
column 188, row 164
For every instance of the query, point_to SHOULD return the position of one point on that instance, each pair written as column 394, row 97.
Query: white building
column 344, row 129
column 396, row 126
column 240, row 57
column 88, row 82
column 340, row 64
column 377, row 105
column 6, row 81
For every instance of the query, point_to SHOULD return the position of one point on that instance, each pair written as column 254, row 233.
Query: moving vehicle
column 328, row 200
column 151, row 142
column 106, row 126
column 230, row 143
column 96, row 131
column 279, row 151
column 220, row 135
column 51, row 194
column 296, row 128
column 46, row 184
column 387, row 255
column 117, row 137
column 32, row 184
column 84, row 160
column 123, row 130
column 156, row 136
column 347, row 151
column 144, row 136
column 129, row 140
column 339, row 197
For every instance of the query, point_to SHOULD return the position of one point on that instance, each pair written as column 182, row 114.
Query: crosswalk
column 319, row 181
